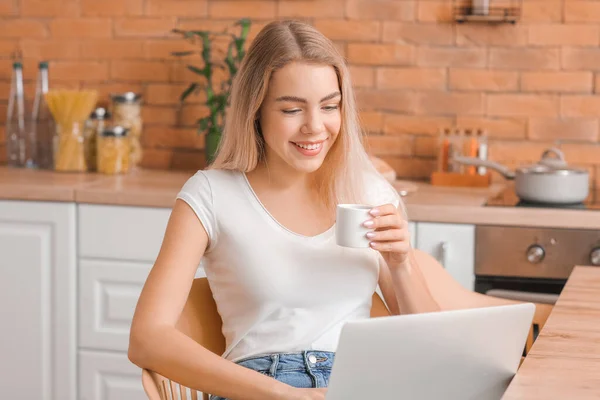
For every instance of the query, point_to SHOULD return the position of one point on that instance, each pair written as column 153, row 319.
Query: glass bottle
column 15, row 119
column 42, row 123
column 114, row 151
column 94, row 127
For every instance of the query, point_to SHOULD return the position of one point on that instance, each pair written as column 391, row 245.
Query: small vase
column 211, row 144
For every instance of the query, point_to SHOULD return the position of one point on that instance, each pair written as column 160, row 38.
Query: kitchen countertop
column 155, row 188
column 564, row 362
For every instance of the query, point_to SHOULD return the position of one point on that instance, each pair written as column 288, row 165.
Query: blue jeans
column 307, row 369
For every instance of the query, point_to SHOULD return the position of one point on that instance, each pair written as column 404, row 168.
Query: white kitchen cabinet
column 38, row 348
column 453, row 245
column 109, row 376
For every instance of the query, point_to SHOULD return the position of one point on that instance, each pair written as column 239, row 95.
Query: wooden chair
column 201, row 321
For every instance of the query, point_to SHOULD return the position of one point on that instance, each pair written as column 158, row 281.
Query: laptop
column 450, row 355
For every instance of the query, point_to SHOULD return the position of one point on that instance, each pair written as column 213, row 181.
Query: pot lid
column 552, row 163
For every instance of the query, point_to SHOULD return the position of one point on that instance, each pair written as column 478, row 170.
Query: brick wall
column 529, row 84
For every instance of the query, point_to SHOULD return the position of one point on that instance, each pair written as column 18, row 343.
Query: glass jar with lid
column 126, row 109
column 94, row 127
column 114, row 152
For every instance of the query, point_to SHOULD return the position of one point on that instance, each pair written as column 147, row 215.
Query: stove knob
column 536, row 253
column 595, row 256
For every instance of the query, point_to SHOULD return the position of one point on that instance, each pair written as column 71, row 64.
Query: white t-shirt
column 278, row 291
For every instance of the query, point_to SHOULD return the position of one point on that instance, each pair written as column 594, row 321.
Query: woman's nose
column 314, row 124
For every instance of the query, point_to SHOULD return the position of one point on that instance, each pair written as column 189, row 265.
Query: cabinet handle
column 444, row 247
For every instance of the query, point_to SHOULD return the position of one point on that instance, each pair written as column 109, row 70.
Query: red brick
column 520, row 151
column 372, row 121
column 425, row 146
column 79, row 71
column 525, row 59
column 380, row 54
column 381, row 9
column 411, row 78
column 162, row 136
column 435, row 11
column 411, row 167
column 396, row 124
column 163, row 94
column 483, row 79
column 4, row 90
column 504, row 128
column 206, row 25
column 112, row 8
column 564, row 35
column 567, row 82
column 81, row 28
column 163, row 49
column 484, row 35
column 188, row 160
column 362, row 76
column 552, row 129
column 179, row 8
column 310, row 9
column 381, row 100
column 597, row 84
column 389, row 145
column 451, row 57
column 156, row 158
column 155, row 115
column 145, row 27
column 8, row 8
column 582, row 11
column 444, row 103
column 580, row 58
column 580, row 106
column 23, row 28
column 8, row 47
column 112, row 49
column 265, row 9
column 431, row 34
column 179, row 72
column 139, row 71
column 50, row 8
column 50, row 49
column 581, row 153
column 359, row 31
column 508, row 105
column 189, row 114
column 541, row 11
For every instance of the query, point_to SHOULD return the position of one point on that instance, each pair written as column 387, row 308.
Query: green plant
column 217, row 93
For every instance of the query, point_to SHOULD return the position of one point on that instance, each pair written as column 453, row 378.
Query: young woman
column 262, row 221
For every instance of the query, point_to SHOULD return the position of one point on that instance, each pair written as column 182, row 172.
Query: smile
column 308, row 149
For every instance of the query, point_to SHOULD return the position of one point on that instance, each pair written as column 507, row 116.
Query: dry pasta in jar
column 127, row 112
column 114, row 151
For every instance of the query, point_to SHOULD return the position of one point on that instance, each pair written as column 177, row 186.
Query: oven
column 530, row 264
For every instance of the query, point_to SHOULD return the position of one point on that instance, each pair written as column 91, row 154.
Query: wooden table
column 564, row 362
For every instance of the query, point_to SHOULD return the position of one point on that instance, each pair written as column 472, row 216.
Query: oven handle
column 545, row 298
column 444, row 247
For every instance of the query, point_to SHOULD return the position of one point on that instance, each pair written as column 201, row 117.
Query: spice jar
column 127, row 112
column 114, row 151
column 94, row 127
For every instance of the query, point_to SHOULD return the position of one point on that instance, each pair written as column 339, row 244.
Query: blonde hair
column 341, row 177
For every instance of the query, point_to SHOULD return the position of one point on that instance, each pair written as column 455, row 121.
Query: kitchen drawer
column 453, row 245
column 121, row 232
column 109, row 376
column 108, row 293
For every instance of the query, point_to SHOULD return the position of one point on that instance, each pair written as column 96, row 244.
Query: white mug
column 349, row 228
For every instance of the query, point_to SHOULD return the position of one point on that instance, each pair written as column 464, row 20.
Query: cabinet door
column 109, row 376
column 38, row 288
column 453, row 245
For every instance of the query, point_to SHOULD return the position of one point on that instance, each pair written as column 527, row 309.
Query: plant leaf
column 182, row 53
column 188, row 91
column 197, row 70
column 203, row 124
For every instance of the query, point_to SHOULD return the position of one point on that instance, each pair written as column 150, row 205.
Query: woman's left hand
column 390, row 236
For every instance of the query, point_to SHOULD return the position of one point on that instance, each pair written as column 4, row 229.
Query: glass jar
column 93, row 128
column 114, row 152
column 69, row 155
column 127, row 112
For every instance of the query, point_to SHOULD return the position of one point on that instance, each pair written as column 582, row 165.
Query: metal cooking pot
column 550, row 181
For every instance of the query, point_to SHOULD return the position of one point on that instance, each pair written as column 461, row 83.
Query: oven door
column 534, row 290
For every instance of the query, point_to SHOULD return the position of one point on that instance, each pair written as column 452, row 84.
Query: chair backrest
column 200, row 321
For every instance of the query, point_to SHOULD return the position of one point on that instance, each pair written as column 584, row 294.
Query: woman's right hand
column 307, row 394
